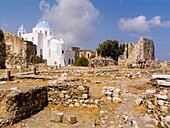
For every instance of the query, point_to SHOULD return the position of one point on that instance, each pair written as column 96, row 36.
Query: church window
column 72, row 61
column 32, row 38
column 45, row 32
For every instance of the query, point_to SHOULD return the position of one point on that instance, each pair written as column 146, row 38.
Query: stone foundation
column 158, row 104
column 21, row 104
column 71, row 93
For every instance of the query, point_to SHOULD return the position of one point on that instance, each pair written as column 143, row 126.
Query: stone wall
column 69, row 57
column 87, row 53
column 101, row 62
column 70, row 92
column 143, row 50
column 76, row 50
column 2, row 50
column 21, row 104
column 18, row 51
column 158, row 103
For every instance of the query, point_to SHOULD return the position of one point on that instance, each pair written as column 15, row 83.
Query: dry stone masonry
column 101, row 62
column 70, row 92
column 20, row 104
column 158, row 103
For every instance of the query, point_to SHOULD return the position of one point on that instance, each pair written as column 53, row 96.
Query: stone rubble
column 112, row 94
column 157, row 102
column 101, row 62
column 70, row 92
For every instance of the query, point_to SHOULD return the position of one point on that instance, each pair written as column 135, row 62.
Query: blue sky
column 87, row 23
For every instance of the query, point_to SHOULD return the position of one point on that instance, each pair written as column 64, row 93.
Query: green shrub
column 39, row 59
column 82, row 61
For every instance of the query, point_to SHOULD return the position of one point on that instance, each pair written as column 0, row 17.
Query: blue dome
column 44, row 24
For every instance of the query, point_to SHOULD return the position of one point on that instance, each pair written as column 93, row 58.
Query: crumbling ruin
column 18, row 52
column 141, row 52
column 2, row 49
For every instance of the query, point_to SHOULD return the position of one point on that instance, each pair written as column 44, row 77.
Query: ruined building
column 2, row 50
column 142, row 51
column 88, row 53
column 17, row 51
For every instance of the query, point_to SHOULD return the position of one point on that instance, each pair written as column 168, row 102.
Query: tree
column 82, row 61
column 111, row 49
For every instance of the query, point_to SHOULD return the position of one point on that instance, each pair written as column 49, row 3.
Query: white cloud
column 72, row 20
column 141, row 24
column 4, row 26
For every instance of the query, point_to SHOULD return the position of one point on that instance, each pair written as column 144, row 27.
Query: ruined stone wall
column 70, row 92
column 157, row 103
column 101, row 62
column 19, row 52
column 21, row 104
column 76, row 50
column 2, row 50
column 143, row 50
column 87, row 53
column 69, row 57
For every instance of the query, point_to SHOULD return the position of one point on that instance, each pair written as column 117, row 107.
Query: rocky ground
column 118, row 111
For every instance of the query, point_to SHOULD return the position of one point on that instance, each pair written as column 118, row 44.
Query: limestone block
column 81, row 88
column 77, row 104
column 57, row 117
column 167, row 121
column 162, row 97
column 116, row 100
column 85, row 96
column 73, row 120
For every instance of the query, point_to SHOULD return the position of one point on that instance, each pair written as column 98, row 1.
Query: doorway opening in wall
column 88, row 55
column 69, row 61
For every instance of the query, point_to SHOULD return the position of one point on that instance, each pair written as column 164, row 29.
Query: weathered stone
column 143, row 50
column 18, row 51
column 73, row 120
column 71, row 105
column 164, row 109
column 151, row 91
column 81, row 88
column 85, row 96
column 100, row 62
column 167, row 121
column 77, row 104
column 3, row 50
column 162, row 97
column 57, row 117
column 138, row 101
column 116, row 100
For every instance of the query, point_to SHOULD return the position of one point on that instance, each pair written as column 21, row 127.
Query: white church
column 48, row 45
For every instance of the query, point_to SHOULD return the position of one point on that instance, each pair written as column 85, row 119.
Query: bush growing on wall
column 82, row 61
